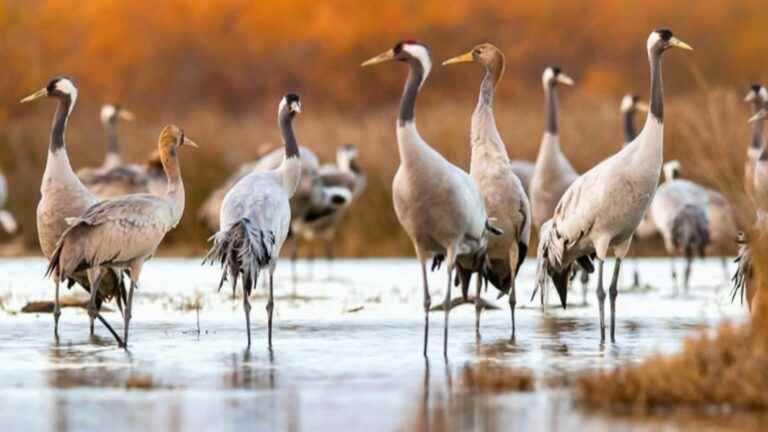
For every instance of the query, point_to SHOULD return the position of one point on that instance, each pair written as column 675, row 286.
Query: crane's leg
column 601, row 300
column 56, row 307
column 94, row 277
column 450, row 258
column 311, row 261
column 478, row 305
column 614, row 292
column 512, row 304
column 294, row 258
column 329, row 256
column 247, row 309
column 270, row 308
column 687, row 274
column 636, row 272
column 427, row 298
column 128, row 312
column 674, row 275
column 135, row 272
column 584, row 287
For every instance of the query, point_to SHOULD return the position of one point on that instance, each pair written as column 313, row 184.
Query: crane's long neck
column 175, row 191
column 58, row 170
column 485, row 136
column 412, row 148
column 493, row 73
column 630, row 132
column 657, row 87
column 60, row 120
column 651, row 146
column 291, row 166
column 552, row 109
column 112, row 158
column 416, row 77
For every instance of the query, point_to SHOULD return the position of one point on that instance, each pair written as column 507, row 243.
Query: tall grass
column 707, row 131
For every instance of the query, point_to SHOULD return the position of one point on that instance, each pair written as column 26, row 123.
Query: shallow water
column 347, row 353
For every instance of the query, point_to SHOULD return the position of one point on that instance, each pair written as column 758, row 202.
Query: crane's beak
column 565, row 79
column 124, row 114
column 189, row 142
column 464, row 58
column 641, row 106
column 36, row 95
column 680, row 44
column 381, row 58
column 763, row 113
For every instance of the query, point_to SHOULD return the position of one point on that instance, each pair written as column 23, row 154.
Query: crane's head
column 171, row 138
column 111, row 113
column 59, row 87
column 290, row 105
column 484, row 54
column 661, row 40
column 407, row 51
column 347, row 151
column 757, row 95
column 553, row 76
column 672, row 170
column 631, row 103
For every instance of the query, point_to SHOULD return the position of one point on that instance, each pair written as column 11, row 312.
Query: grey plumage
column 505, row 198
column 439, row 205
column 601, row 210
column 342, row 183
column 679, row 211
column 690, row 231
column 63, row 196
column 255, row 218
column 120, row 234
column 309, row 191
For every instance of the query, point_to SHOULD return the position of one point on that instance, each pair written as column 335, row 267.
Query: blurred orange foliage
column 219, row 67
column 175, row 54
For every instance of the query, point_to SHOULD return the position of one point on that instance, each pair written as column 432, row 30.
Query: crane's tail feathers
column 243, row 248
column 743, row 275
column 690, row 231
column 550, row 259
column 8, row 222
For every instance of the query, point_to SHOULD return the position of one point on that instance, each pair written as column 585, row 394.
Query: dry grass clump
column 727, row 371
column 140, row 382
column 494, row 377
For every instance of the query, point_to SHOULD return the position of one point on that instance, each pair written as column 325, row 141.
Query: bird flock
column 99, row 225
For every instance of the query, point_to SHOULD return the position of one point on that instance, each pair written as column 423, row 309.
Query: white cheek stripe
column 422, row 55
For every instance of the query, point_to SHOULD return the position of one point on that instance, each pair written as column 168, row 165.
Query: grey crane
column 63, row 196
column 553, row 173
column 343, row 182
column 505, row 198
column 255, row 219
column 439, row 205
column 679, row 211
column 601, row 210
column 122, row 233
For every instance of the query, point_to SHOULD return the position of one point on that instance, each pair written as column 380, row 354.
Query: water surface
column 347, row 352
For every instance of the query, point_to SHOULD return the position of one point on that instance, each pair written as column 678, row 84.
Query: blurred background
column 218, row 69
